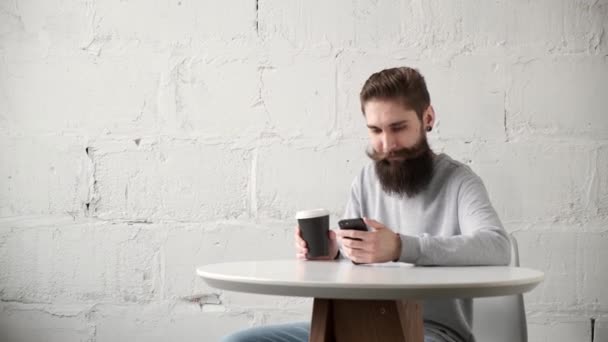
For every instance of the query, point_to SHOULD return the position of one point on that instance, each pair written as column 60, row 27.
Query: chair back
column 501, row 319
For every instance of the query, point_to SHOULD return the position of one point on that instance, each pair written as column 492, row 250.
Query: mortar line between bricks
column 257, row 22
column 93, row 192
column 253, row 203
column 505, row 124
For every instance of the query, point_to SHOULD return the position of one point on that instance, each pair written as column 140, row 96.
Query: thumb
column 332, row 235
column 373, row 224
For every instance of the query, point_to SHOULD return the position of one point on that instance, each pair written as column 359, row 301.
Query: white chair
column 501, row 319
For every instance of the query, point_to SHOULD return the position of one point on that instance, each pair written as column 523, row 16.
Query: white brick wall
column 140, row 139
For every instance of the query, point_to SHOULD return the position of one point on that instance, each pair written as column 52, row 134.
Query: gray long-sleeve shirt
column 450, row 223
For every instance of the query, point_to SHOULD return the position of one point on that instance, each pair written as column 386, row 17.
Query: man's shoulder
column 368, row 170
column 366, row 174
column 453, row 172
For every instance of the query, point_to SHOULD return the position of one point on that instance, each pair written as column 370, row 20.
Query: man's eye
column 399, row 128
column 375, row 130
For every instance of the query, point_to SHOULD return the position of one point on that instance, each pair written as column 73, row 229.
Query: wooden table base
column 340, row 320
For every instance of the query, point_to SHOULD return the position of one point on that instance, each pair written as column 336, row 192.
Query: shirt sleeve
column 483, row 240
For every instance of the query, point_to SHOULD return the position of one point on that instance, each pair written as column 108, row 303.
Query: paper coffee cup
column 314, row 226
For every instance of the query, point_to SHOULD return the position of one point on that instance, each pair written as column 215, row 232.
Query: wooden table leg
column 340, row 320
column 322, row 323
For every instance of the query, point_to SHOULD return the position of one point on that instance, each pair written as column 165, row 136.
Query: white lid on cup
column 306, row 214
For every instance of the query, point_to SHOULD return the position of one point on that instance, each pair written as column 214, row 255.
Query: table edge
column 371, row 291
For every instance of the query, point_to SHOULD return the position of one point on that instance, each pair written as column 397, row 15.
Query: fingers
column 301, row 256
column 297, row 234
column 359, row 255
column 300, row 245
column 301, row 248
column 303, row 251
column 373, row 223
column 362, row 251
column 353, row 234
column 366, row 243
column 298, row 237
column 354, row 244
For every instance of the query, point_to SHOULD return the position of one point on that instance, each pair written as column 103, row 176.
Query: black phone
column 353, row 224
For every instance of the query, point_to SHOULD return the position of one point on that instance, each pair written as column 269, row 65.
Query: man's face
column 392, row 127
column 402, row 156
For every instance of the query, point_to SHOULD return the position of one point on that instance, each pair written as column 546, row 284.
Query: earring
column 429, row 128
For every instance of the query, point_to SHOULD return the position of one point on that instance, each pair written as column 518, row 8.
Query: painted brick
column 598, row 189
column 559, row 328
column 214, row 95
column 80, row 262
column 111, row 95
column 563, row 26
column 167, row 22
column 539, row 27
column 533, row 107
column 593, row 255
column 35, row 322
column 43, row 175
column 164, row 321
column 165, row 180
column 305, row 22
column 299, row 96
column 601, row 330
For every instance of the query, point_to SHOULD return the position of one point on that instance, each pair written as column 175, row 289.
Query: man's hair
column 403, row 84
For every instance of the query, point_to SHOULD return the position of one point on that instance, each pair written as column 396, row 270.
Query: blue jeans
column 298, row 332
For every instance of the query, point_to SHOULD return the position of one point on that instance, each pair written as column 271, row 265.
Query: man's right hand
column 302, row 250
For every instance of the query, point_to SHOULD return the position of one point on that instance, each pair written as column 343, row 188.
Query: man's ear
column 428, row 118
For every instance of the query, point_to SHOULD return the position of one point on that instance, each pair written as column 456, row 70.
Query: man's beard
column 408, row 175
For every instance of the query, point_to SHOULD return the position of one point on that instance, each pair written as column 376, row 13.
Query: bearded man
column 423, row 208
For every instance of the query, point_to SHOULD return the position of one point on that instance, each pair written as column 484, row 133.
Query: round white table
column 378, row 302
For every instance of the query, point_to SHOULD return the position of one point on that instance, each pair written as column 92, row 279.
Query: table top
column 344, row 280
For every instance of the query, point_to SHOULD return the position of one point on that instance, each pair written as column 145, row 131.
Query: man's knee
column 290, row 332
column 249, row 335
column 240, row 336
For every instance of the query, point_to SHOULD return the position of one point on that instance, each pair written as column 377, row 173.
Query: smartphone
column 353, row 224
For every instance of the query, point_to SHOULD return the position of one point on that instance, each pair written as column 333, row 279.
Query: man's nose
column 388, row 143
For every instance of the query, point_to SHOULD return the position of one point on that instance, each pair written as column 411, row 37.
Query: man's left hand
column 379, row 245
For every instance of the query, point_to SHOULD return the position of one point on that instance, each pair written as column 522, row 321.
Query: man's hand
column 379, row 245
column 302, row 250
